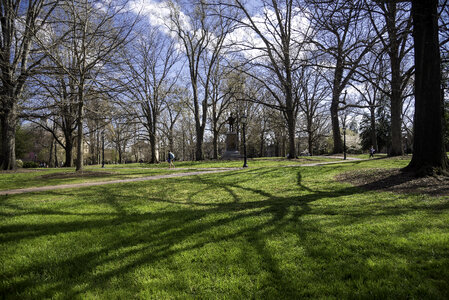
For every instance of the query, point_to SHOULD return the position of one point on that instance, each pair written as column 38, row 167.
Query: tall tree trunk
column 310, row 141
column 171, row 142
column 68, row 151
column 429, row 155
column 119, row 151
column 396, row 125
column 199, row 144
column 153, row 135
column 183, row 144
column 80, row 140
column 153, row 146
column 97, row 149
column 373, row 128
column 309, row 134
column 215, row 144
column 291, row 128
column 396, row 108
column 9, row 121
column 336, row 93
column 396, row 94
column 56, row 155
column 50, row 155
column 338, row 143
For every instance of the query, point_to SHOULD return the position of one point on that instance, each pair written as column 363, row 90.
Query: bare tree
column 202, row 37
column 174, row 105
column 120, row 132
column 372, row 85
column 313, row 91
column 344, row 38
column 396, row 44
column 151, row 80
column 223, row 87
column 275, row 54
column 91, row 38
column 54, row 108
column 19, row 58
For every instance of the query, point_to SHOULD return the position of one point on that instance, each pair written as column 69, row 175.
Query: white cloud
column 243, row 39
column 246, row 40
column 157, row 13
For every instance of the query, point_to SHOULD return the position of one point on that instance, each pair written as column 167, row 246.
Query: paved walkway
column 154, row 177
column 87, row 184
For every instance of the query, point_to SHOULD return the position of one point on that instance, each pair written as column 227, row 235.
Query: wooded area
column 137, row 79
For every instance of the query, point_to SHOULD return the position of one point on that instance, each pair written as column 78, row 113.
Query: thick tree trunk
column 396, row 93
column 309, row 134
column 50, row 154
column 68, row 152
column 171, row 143
column 396, row 109
column 9, row 121
column 153, row 146
column 119, row 151
column 396, row 126
column 338, row 143
column 310, row 141
column 429, row 155
column 336, row 93
column 215, row 144
column 199, row 145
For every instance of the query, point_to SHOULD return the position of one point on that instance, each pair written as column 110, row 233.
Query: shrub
column 30, row 164
column 19, row 163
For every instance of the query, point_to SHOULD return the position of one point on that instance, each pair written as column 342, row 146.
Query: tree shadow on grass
column 178, row 227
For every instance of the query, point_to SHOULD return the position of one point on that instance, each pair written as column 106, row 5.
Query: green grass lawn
column 43, row 177
column 252, row 162
column 262, row 232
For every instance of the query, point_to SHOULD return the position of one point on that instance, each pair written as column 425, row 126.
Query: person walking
column 371, row 152
column 170, row 159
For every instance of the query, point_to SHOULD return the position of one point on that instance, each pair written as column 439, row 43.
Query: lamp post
column 243, row 120
column 344, row 140
column 102, row 147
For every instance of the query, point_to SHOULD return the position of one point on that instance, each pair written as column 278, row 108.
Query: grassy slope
column 268, row 233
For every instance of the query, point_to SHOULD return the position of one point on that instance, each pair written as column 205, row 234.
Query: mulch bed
column 395, row 180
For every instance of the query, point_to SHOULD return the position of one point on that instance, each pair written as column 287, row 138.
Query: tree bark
column 429, row 155
column 153, row 146
column 396, row 92
column 56, row 155
column 50, row 154
column 396, row 121
column 310, row 141
column 9, row 121
column 80, row 139
column 68, row 149
column 338, row 143
column 215, row 144
column 373, row 128
column 199, row 143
